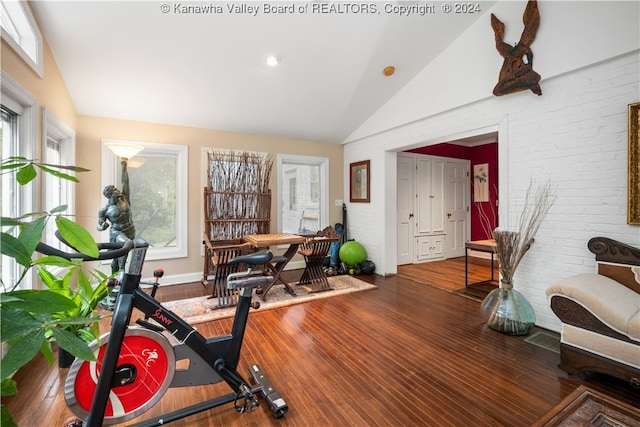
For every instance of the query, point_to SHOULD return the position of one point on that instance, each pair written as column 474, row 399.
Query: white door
column 456, row 207
column 438, row 196
column 405, row 214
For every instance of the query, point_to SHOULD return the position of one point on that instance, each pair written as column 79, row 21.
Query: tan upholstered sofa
column 600, row 314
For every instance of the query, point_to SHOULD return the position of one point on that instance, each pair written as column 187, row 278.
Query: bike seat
column 256, row 258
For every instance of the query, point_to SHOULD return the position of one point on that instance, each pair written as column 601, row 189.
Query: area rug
column 203, row 309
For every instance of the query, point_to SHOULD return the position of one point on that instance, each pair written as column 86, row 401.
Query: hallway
column 448, row 274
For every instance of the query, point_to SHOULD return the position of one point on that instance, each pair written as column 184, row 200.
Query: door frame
column 500, row 131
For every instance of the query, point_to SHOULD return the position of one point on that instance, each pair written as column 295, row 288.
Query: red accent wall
column 486, row 153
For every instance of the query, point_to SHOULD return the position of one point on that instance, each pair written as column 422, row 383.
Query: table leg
column 466, row 267
column 277, row 268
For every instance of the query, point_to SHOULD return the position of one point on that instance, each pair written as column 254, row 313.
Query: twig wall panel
column 237, row 200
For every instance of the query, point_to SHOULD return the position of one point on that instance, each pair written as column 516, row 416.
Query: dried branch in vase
column 511, row 246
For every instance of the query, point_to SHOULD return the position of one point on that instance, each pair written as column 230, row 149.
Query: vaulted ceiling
column 183, row 64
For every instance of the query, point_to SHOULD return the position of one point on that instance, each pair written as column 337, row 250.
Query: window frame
column 25, row 25
column 54, row 127
column 323, row 180
column 17, row 99
column 111, row 166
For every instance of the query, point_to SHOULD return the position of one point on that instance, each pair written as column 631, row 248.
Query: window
column 303, row 193
column 10, row 194
column 19, row 120
column 158, row 186
column 20, row 31
column 59, row 149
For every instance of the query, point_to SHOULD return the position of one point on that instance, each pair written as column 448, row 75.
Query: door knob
column 410, row 215
column 449, row 215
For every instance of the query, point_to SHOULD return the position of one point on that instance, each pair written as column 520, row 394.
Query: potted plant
column 30, row 320
column 505, row 309
column 82, row 319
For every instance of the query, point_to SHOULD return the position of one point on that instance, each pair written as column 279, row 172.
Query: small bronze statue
column 117, row 213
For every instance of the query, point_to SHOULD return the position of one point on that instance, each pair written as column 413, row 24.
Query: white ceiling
column 129, row 60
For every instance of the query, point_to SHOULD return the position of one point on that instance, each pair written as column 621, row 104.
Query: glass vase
column 508, row 311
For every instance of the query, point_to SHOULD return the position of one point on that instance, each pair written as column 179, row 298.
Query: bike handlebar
column 111, row 250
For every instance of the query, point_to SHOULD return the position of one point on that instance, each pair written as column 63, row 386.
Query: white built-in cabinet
column 429, row 208
column 429, row 247
column 431, row 222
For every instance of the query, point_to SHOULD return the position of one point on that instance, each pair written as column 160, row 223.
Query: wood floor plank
column 403, row 354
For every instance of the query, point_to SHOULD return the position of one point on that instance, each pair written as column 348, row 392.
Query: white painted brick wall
column 575, row 134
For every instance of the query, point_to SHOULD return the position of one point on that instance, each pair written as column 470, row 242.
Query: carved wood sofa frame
column 617, row 283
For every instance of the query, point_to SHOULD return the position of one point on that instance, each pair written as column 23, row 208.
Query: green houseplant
column 31, row 319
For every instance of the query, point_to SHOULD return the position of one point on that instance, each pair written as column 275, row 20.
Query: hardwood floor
column 449, row 274
column 404, row 354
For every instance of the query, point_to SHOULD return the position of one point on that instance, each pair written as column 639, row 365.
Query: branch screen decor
column 237, row 201
column 237, row 196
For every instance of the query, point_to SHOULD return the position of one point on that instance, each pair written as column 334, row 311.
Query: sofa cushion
column 613, row 303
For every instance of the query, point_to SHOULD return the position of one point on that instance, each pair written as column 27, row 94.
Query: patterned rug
column 203, row 309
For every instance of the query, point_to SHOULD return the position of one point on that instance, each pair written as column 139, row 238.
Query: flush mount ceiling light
column 272, row 60
column 388, row 71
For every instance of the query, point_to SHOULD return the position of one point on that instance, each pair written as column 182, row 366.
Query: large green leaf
column 73, row 344
column 58, row 174
column 45, row 349
column 16, row 323
column 78, row 237
column 21, row 352
column 10, row 222
column 48, row 279
column 58, row 209
column 14, row 248
column 6, row 420
column 14, row 160
column 31, row 234
column 26, row 174
column 8, row 387
column 66, row 167
column 40, row 301
column 85, row 290
column 54, row 261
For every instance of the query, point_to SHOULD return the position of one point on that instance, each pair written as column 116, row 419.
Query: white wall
column 574, row 134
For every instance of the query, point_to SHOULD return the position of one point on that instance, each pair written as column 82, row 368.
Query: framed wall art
column 633, row 210
column 359, row 181
column 481, row 182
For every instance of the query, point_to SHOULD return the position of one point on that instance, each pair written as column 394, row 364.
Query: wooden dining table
column 278, row 262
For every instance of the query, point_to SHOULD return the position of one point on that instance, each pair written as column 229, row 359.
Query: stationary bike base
column 268, row 391
column 263, row 387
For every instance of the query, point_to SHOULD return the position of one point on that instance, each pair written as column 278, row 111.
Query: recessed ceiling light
column 388, row 71
column 273, row 60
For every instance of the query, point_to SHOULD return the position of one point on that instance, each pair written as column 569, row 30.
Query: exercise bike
column 137, row 364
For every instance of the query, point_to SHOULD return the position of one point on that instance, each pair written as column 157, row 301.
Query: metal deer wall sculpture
column 517, row 72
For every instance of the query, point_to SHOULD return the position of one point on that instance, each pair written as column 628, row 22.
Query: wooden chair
column 217, row 265
column 315, row 250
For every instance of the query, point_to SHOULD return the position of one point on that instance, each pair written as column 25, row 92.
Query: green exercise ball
column 352, row 253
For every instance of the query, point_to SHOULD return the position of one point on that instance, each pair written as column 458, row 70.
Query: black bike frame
column 210, row 350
